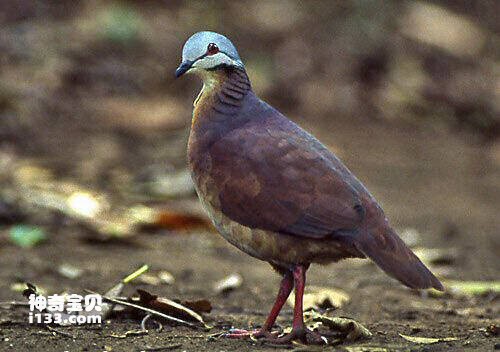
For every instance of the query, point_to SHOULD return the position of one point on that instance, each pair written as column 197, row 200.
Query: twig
column 130, row 333
column 147, row 310
column 62, row 333
column 145, row 320
column 162, row 348
column 10, row 304
column 136, row 274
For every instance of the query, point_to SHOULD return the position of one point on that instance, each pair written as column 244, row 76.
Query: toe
column 303, row 335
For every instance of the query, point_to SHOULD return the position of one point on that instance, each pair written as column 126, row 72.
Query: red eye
column 212, row 49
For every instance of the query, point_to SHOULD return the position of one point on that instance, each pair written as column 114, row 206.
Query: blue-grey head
column 208, row 51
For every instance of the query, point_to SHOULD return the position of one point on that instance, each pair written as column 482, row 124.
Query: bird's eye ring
column 212, row 49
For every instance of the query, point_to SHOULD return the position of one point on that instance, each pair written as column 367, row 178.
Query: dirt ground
column 87, row 91
column 449, row 194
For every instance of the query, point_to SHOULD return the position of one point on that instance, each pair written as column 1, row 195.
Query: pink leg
column 283, row 293
column 299, row 276
column 299, row 330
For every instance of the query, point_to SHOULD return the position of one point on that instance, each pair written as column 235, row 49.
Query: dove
column 275, row 191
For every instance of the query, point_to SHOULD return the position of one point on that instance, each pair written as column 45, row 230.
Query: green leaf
column 473, row 287
column 26, row 236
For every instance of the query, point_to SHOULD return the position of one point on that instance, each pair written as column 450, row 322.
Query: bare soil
column 444, row 185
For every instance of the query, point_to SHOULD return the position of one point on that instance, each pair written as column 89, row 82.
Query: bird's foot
column 254, row 334
column 301, row 334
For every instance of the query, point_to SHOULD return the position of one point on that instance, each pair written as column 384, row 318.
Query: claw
column 303, row 335
column 251, row 334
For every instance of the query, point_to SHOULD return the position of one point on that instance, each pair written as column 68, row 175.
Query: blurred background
column 93, row 126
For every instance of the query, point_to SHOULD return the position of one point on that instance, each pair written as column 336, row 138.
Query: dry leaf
column 69, row 271
column 427, row 340
column 166, row 277
column 180, row 221
column 317, row 298
column 169, row 307
column 84, row 204
column 436, row 25
column 410, row 236
column 149, row 311
column 199, row 306
column 228, row 283
column 116, row 290
column 130, row 333
column 150, row 279
column 436, row 256
column 348, row 327
column 174, row 184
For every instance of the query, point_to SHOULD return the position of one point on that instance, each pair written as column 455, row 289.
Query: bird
column 275, row 191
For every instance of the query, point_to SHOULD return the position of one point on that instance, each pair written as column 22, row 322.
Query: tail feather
column 392, row 255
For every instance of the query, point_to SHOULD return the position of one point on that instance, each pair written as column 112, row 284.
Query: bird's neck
column 220, row 107
column 224, row 90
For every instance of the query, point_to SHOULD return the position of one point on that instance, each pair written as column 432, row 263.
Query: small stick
column 144, row 309
column 9, row 304
column 146, row 319
column 162, row 348
column 62, row 333
column 136, row 274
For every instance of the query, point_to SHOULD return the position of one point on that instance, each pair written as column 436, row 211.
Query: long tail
column 392, row 255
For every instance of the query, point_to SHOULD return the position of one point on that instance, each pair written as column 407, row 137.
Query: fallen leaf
column 27, row 289
column 69, row 271
column 150, row 279
column 153, row 218
column 457, row 35
column 116, row 290
column 410, row 236
column 84, row 204
column 351, row 329
column 166, row 277
column 466, row 288
column 27, row 236
column 472, row 288
column 37, row 191
column 436, row 256
column 427, row 340
column 149, row 311
column 199, row 306
column 493, row 330
column 180, row 221
column 163, row 277
column 228, row 283
column 171, row 185
column 130, row 333
column 162, row 348
column 168, row 306
column 367, row 349
column 317, row 298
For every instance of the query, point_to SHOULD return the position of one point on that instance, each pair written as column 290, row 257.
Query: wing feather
column 280, row 178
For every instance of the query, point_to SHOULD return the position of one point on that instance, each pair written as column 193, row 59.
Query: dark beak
column 183, row 68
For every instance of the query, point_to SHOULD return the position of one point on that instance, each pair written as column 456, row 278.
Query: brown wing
column 276, row 176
